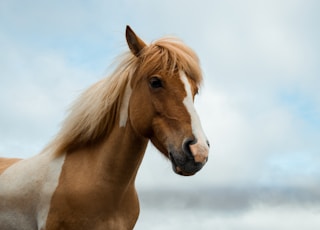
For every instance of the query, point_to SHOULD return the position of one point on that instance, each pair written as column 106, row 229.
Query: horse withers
column 85, row 178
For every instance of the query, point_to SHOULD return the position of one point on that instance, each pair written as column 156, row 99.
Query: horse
column 85, row 177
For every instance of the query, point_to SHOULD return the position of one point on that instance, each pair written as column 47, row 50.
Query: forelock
column 171, row 55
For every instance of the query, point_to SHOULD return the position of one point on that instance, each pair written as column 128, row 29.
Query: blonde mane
column 94, row 114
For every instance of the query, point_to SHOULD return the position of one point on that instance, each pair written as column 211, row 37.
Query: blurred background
column 259, row 105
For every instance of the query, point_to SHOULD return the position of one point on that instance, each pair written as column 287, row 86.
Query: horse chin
column 178, row 170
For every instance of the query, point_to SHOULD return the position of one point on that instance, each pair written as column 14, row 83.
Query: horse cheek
column 141, row 115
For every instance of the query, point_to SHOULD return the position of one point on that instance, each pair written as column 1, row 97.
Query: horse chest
column 76, row 207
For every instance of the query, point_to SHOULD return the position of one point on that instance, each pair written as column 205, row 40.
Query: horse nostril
column 186, row 146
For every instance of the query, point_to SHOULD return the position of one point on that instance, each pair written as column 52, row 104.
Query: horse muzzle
column 191, row 159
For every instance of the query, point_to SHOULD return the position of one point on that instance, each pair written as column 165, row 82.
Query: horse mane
column 94, row 114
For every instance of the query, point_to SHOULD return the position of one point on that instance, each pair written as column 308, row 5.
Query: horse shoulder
column 26, row 189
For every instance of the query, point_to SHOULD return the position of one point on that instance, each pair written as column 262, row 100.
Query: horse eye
column 155, row 82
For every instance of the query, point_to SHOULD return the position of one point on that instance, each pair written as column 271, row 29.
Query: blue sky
column 260, row 104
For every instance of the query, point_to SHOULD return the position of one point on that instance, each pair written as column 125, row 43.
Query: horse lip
column 177, row 169
column 183, row 173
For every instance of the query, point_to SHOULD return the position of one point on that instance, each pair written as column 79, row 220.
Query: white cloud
column 261, row 217
column 36, row 89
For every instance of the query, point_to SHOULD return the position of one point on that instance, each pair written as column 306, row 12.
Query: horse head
column 160, row 108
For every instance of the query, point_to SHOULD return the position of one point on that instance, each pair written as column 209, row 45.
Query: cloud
column 229, row 199
column 230, row 208
column 36, row 89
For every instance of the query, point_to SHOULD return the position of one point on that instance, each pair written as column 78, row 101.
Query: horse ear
column 134, row 42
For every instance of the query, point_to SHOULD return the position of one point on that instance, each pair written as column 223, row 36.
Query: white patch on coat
column 201, row 148
column 26, row 189
column 125, row 105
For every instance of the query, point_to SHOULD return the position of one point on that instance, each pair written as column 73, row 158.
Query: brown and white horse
column 85, row 178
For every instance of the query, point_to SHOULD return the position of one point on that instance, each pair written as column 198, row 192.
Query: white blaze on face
column 200, row 149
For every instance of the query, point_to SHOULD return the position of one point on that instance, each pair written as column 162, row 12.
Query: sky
column 260, row 101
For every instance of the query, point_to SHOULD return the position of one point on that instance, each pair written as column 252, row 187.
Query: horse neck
column 115, row 160
column 124, row 149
